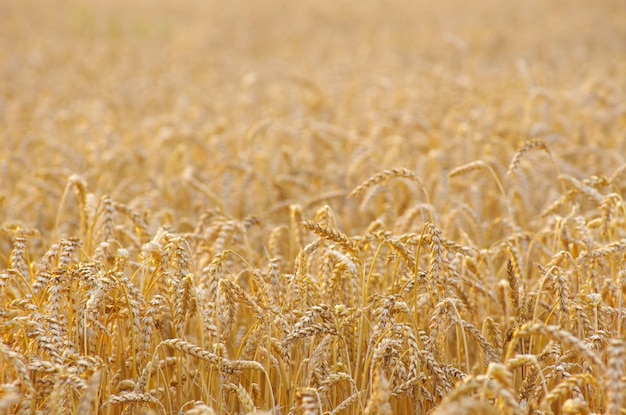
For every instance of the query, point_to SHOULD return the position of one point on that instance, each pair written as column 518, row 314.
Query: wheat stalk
column 530, row 145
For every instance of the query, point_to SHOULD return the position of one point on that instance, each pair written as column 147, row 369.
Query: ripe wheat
column 229, row 210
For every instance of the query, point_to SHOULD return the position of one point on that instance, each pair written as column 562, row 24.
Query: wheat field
column 312, row 207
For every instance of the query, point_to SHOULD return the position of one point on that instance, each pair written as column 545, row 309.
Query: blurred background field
column 142, row 92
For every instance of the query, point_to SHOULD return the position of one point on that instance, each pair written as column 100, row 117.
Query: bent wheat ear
column 382, row 177
column 330, row 234
column 482, row 165
column 536, row 144
column 617, row 175
column 386, row 175
column 468, row 168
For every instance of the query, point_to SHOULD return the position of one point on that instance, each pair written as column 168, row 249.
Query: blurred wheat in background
column 312, row 207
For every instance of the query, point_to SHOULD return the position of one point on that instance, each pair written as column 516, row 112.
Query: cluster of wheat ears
column 229, row 210
column 386, row 321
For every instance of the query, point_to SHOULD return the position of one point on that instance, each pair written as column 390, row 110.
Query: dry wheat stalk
column 348, row 402
column 18, row 259
column 614, row 380
column 436, row 267
column 554, row 332
column 512, row 277
column 135, row 398
column 536, row 144
column 482, row 165
column 325, row 217
column 108, row 217
column 234, row 293
column 295, row 216
column 378, row 403
column 386, row 352
column 617, row 175
column 561, row 290
column 443, row 384
column 275, row 242
column 577, row 187
column 466, row 405
column 489, row 388
column 398, row 245
column 332, row 379
column 319, row 361
column 408, row 334
column 308, row 402
column 16, row 361
column 309, row 331
column 566, row 386
column 382, row 177
column 330, row 234
column 493, row 334
column 575, row 406
column 199, row 408
column 10, row 397
column 79, row 184
column 610, row 203
column 504, row 378
column 213, row 359
column 468, row 168
column 491, row 354
column 247, row 404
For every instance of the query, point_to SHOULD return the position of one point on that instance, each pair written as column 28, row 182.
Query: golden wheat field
column 312, row 207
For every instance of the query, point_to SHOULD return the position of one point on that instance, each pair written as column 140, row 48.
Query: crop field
column 312, row 207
